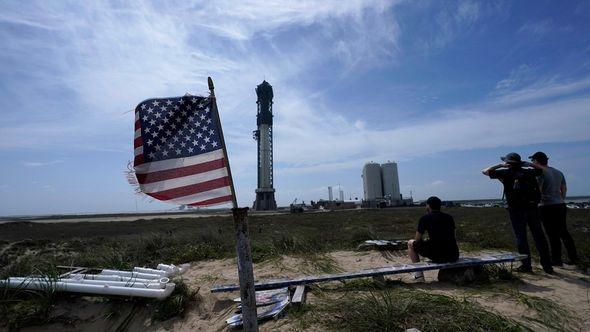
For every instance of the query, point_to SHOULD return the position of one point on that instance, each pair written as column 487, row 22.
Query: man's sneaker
column 548, row 270
column 524, row 269
column 418, row 276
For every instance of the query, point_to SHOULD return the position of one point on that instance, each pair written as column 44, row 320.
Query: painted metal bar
column 388, row 270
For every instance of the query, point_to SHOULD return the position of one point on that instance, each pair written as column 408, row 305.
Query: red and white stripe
column 199, row 180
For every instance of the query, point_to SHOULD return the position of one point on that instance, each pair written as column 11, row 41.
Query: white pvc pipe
column 91, row 289
column 168, row 268
column 153, row 285
column 151, row 271
column 183, row 268
column 111, row 277
column 131, row 274
column 173, row 269
column 162, row 281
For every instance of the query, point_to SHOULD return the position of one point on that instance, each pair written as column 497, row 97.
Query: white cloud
column 48, row 187
column 42, row 163
column 241, row 20
column 105, row 58
column 468, row 11
column 437, row 183
column 318, row 140
column 359, row 124
column 543, row 90
column 516, row 79
column 454, row 20
column 110, row 57
column 65, row 135
column 538, row 28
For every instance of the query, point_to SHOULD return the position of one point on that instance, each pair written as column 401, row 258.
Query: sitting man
column 441, row 246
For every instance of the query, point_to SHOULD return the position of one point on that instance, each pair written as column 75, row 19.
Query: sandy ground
column 569, row 288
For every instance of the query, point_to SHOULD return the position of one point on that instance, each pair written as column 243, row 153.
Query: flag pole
column 245, row 269
column 216, row 115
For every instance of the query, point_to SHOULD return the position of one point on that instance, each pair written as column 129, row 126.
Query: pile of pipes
column 141, row 282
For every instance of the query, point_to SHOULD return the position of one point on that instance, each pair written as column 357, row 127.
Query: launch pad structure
column 265, row 193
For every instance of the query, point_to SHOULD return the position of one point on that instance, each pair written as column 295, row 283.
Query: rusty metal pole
column 245, row 269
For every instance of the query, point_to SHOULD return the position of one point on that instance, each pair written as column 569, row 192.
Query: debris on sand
column 269, row 303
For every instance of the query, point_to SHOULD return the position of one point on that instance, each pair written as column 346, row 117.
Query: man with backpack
column 523, row 195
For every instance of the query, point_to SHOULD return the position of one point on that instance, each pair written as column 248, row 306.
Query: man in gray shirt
column 552, row 209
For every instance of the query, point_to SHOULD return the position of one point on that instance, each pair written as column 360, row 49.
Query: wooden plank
column 245, row 271
column 388, row 270
column 299, row 295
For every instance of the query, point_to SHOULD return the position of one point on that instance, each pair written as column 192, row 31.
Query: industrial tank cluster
column 381, row 185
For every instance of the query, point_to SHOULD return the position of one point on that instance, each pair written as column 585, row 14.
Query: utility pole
column 244, row 253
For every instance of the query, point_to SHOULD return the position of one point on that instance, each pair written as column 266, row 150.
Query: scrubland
column 287, row 245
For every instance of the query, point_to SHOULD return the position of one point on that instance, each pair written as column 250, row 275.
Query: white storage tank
column 372, row 181
column 390, row 182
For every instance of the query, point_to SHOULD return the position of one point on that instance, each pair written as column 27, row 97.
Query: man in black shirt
column 441, row 246
column 522, row 194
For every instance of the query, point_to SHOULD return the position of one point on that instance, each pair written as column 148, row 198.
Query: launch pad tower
column 265, row 193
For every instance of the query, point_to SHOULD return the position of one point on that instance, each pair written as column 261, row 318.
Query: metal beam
column 394, row 269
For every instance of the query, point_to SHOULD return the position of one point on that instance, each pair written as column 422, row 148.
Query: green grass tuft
column 21, row 307
column 548, row 313
column 176, row 304
column 388, row 310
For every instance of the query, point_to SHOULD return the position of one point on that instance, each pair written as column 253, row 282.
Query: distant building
column 381, row 185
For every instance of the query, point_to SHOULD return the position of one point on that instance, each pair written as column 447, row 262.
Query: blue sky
column 442, row 87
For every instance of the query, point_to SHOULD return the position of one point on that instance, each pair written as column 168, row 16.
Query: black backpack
column 525, row 189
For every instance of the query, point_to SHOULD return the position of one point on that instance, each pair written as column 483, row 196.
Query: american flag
column 179, row 157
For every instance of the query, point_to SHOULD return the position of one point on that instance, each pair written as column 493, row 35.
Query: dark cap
column 512, row 158
column 434, row 202
column 539, row 156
